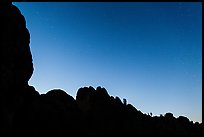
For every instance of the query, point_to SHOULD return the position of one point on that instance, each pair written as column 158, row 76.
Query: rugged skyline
column 149, row 53
column 24, row 111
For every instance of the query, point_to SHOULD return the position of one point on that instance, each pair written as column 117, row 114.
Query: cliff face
column 23, row 111
column 16, row 65
column 16, row 58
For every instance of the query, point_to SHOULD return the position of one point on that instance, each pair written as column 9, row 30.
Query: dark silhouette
column 23, row 111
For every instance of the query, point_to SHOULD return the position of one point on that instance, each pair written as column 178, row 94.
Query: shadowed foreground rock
column 23, row 111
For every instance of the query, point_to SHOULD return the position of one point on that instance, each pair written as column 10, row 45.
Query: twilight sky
column 148, row 53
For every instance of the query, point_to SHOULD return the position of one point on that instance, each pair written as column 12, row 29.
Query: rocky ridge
column 23, row 111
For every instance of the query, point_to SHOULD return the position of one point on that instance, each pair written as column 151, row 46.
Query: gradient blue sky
column 148, row 53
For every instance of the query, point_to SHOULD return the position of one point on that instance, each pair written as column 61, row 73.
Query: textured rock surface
column 23, row 111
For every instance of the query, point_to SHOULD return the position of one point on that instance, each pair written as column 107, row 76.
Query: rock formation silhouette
column 23, row 111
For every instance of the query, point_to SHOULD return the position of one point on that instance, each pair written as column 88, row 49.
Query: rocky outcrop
column 107, row 115
column 16, row 59
column 16, row 65
column 24, row 112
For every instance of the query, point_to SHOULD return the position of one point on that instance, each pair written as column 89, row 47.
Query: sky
column 148, row 53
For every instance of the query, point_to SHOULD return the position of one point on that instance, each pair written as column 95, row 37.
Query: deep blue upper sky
column 148, row 53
